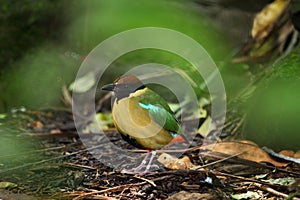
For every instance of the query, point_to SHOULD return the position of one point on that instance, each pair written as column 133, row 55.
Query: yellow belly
column 131, row 119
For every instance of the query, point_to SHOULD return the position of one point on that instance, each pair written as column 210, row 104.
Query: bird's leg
column 153, row 154
column 143, row 163
column 139, row 173
column 139, row 169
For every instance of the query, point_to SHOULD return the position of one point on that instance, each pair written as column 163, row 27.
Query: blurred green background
column 273, row 111
column 43, row 43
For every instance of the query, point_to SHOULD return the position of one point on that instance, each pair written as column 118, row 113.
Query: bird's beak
column 108, row 87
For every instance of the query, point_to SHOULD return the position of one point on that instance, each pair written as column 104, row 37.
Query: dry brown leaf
column 264, row 20
column 271, row 33
column 248, row 150
column 171, row 162
column 37, row 125
column 288, row 153
column 183, row 195
column 297, row 154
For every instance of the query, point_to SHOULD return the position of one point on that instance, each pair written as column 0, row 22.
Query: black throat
column 123, row 91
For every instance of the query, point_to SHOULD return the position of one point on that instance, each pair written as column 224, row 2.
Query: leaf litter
column 69, row 171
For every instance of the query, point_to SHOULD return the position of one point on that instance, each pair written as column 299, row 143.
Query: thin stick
column 79, row 166
column 272, row 191
column 112, row 189
column 172, row 150
column 144, row 179
column 241, row 121
column 217, row 173
column 218, row 161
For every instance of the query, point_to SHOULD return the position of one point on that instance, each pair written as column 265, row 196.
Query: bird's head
column 123, row 86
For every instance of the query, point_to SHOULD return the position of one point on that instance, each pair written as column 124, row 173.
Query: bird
column 142, row 117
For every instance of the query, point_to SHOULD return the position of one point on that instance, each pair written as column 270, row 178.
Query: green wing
column 159, row 110
column 151, row 97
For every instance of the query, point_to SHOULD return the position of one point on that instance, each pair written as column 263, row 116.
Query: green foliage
column 273, row 111
column 27, row 24
column 36, row 80
column 287, row 68
column 101, row 19
column 37, row 34
column 13, row 145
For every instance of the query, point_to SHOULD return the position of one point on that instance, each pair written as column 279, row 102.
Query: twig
column 241, row 121
column 251, row 163
column 173, row 150
column 112, row 189
column 272, row 191
column 119, row 187
column 217, row 173
column 144, row 179
column 67, row 98
column 79, row 166
column 218, row 161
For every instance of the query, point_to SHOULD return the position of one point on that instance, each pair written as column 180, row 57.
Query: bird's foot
column 143, row 168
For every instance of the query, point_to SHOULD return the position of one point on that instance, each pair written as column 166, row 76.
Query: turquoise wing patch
column 162, row 117
column 149, row 97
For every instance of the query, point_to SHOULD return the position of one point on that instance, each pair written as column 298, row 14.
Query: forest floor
column 65, row 167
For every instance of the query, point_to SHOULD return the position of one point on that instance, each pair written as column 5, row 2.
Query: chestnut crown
column 123, row 86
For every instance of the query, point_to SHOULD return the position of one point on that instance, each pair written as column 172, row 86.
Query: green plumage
column 150, row 97
column 143, row 117
column 159, row 110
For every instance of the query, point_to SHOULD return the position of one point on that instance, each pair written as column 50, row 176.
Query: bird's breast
column 134, row 121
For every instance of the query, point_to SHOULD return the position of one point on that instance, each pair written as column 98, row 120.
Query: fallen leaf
column 37, row 124
column 102, row 121
column 84, row 83
column 297, row 154
column 55, row 131
column 248, row 195
column 183, row 195
column 6, row 185
column 206, row 127
column 289, row 153
column 281, row 181
column 295, row 186
column 171, row 162
column 271, row 33
column 2, row 116
column 248, row 150
column 281, row 156
column 67, row 98
column 261, row 176
column 265, row 19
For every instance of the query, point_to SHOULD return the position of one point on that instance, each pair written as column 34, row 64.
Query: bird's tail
column 179, row 137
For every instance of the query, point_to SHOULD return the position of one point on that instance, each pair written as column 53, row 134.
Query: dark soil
column 68, row 165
